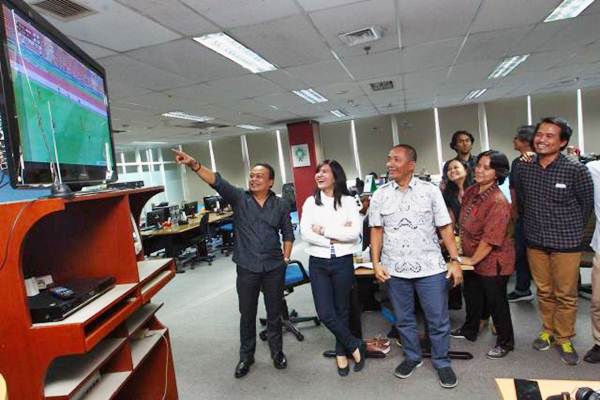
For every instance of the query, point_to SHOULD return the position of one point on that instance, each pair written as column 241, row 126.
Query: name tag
column 560, row 186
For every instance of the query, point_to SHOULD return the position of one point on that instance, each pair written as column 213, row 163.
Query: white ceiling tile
column 286, row 42
column 135, row 74
column 470, row 73
column 429, row 55
column 538, row 37
column 312, row 5
column 578, row 32
column 494, row 15
column 94, row 51
column 431, row 20
column 188, row 59
column 284, row 79
column 319, row 73
column 174, row 15
column 491, row 45
column 374, row 65
column 128, row 29
column 240, row 87
column 347, row 18
column 425, row 79
column 234, row 13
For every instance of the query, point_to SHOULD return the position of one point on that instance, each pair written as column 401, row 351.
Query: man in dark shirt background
column 523, row 143
column 259, row 217
column 557, row 198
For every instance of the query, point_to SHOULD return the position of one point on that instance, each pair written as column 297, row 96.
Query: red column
column 305, row 132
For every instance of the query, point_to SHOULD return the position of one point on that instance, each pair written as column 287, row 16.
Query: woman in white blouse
column 331, row 225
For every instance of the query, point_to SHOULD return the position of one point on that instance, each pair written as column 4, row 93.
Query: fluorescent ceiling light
column 235, row 51
column 189, row 117
column 250, row 127
column 568, row 9
column 339, row 113
column 473, row 94
column 507, row 66
column 310, row 95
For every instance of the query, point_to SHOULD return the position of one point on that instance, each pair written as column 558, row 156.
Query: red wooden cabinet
column 114, row 347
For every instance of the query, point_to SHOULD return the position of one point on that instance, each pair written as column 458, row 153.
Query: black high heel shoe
column 362, row 349
column 343, row 371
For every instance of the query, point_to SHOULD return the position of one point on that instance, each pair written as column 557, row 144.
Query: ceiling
column 435, row 52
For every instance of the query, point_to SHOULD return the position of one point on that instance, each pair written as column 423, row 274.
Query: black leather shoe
column 279, row 361
column 243, row 367
column 362, row 349
column 343, row 371
column 593, row 355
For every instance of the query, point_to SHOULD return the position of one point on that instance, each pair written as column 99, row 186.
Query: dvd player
column 58, row 302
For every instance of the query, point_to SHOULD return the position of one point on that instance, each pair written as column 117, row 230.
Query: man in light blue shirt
column 593, row 356
column 405, row 215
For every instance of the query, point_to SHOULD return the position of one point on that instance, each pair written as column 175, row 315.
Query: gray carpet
column 201, row 312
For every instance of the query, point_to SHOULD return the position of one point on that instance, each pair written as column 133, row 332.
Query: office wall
column 197, row 189
column 591, row 119
column 336, row 140
column 503, row 118
column 262, row 147
column 418, row 129
column 374, row 139
column 457, row 118
column 556, row 105
column 228, row 157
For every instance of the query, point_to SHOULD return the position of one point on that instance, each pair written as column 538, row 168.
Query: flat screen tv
column 54, row 105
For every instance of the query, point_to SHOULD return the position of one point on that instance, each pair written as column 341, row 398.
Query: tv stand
column 112, row 348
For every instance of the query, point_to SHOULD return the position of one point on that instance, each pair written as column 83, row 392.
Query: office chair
column 226, row 233
column 288, row 193
column 295, row 275
column 199, row 240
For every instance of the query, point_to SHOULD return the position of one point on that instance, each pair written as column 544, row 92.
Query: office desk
column 177, row 238
column 548, row 387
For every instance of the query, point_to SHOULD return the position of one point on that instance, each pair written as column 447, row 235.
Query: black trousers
column 490, row 292
column 475, row 305
column 249, row 285
column 331, row 280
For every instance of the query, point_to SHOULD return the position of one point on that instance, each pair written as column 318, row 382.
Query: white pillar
column 483, row 128
column 395, row 134
column 438, row 139
column 580, row 122
column 280, row 157
column 355, row 148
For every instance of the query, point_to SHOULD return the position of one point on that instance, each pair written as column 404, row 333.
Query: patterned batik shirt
column 409, row 218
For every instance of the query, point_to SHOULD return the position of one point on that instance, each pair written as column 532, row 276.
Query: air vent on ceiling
column 382, row 85
column 66, row 10
column 360, row 36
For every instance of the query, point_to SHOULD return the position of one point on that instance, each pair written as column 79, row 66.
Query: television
column 54, row 109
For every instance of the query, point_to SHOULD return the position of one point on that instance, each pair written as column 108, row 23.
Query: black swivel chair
column 200, row 241
column 587, row 256
column 295, row 275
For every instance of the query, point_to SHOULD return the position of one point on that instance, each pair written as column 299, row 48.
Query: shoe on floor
column 543, row 341
column 406, row 368
column 497, row 352
column 447, row 377
column 515, row 297
column 279, row 361
column 593, row 355
column 460, row 334
column 567, row 352
column 243, row 367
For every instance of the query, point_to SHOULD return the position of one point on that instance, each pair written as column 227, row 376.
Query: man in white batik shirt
column 404, row 216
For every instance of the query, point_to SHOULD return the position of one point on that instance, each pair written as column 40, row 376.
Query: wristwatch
column 458, row 259
column 198, row 166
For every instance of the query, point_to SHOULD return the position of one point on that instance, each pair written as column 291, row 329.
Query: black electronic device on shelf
column 214, row 203
column 58, row 302
column 190, row 209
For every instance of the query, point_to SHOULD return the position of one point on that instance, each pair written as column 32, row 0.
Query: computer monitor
column 155, row 217
column 165, row 210
column 190, row 209
column 214, row 203
column 54, row 109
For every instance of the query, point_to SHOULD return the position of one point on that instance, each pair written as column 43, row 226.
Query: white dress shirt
column 343, row 224
column 594, row 168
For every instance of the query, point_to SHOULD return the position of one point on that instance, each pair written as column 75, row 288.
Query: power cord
column 166, row 366
column 12, row 229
